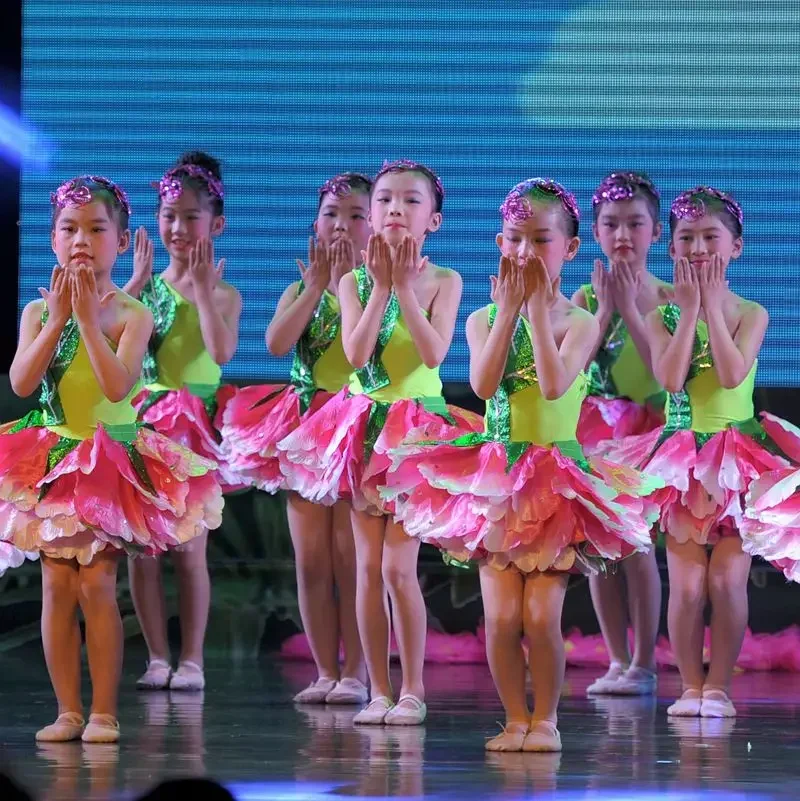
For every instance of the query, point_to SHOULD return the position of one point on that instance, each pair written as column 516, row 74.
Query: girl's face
column 697, row 240
column 88, row 235
column 402, row 204
column 344, row 217
column 625, row 231
column 182, row 222
column 540, row 235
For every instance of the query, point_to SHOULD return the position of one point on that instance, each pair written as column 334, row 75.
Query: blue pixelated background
column 288, row 93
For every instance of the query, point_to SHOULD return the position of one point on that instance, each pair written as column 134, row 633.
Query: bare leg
column 194, row 588
column 344, row 570
column 104, row 637
column 644, row 603
column 503, row 597
column 408, row 606
column 608, row 597
column 147, row 591
column 543, row 604
column 61, row 635
column 310, row 527
column 371, row 612
column 728, row 571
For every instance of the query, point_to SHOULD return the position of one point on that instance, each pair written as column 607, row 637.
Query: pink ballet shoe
column 316, row 692
column 101, row 729
column 188, row 677
column 374, row 714
column 510, row 739
column 409, row 711
column 156, row 677
column 348, row 691
column 605, row 684
column 542, row 736
column 687, row 706
column 68, row 726
column 635, row 681
column 716, row 704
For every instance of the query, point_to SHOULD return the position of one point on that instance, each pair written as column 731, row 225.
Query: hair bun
column 201, row 159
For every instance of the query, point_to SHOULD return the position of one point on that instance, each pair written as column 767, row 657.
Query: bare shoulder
column 227, row 292
column 478, row 317
column 749, row 309
column 34, row 308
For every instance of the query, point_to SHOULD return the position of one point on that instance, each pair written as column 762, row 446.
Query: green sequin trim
column 374, row 376
column 157, row 296
column 139, row 466
column 601, row 382
column 66, row 348
column 320, row 333
column 33, row 419
column 378, row 413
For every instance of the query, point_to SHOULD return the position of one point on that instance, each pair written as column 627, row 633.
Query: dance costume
column 710, row 451
column 342, row 451
column 257, row 418
column 182, row 394
column 521, row 493
column 80, row 474
column 623, row 398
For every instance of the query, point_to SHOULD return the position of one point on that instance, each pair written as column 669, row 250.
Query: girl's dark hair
column 84, row 188
column 404, row 165
column 696, row 203
column 626, row 186
column 343, row 184
column 202, row 174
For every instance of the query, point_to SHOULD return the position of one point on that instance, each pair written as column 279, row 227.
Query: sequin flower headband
column 517, row 207
column 689, row 205
column 170, row 187
column 622, row 186
column 407, row 164
column 339, row 185
column 75, row 192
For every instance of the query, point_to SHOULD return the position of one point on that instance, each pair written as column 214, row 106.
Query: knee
column 689, row 590
column 725, row 585
column 399, row 578
column 313, row 572
column 60, row 587
column 504, row 623
column 97, row 589
column 541, row 626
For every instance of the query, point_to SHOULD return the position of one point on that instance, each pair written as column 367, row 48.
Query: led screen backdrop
column 288, row 93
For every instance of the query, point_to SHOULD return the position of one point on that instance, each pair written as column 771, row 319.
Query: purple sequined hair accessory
column 407, row 164
column 622, row 186
column 170, row 187
column 517, row 207
column 76, row 192
column 689, row 205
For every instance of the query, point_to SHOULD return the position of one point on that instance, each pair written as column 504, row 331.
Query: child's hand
column 317, row 275
column 713, row 284
column 406, row 263
column 342, row 258
column 625, row 285
column 542, row 291
column 601, row 283
column 142, row 256
column 508, row 286
column 378, row 259
column 86, row 303
column 59, row 297
column 205, row 276
column 686, row 287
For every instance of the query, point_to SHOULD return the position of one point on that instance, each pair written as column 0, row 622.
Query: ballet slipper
column 510, row 739
column 67, row 726
column 636, row 681
column 374, row 714
column 348, row 691
column 188, row 677
column 316, row 692
column 409, row 711
column 604, row 685
column 542, row 736
column 716, row 704
column 101, row 729
column 156, row 677
column 687, row 706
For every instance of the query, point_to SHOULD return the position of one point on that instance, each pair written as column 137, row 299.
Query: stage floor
column 245, row 732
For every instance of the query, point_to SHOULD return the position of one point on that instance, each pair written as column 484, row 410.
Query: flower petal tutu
column 342, row 451
column 71, row 499
column 771, row 524
column 521, row 504
column 604, row 420
column 253, row 422
column 186, row 419
column 706, row 477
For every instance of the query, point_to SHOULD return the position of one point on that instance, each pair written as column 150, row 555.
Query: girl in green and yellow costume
column 81, row 480
column 196, row 329
column 257, row 418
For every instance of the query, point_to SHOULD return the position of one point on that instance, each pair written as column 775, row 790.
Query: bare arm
column 671, row 354
column 603, row 317
column 432, row 337
column 488, row 349
column 291, row 318
column 734, row 355
column 360, row 327
column 219, row 311
column 37, row 344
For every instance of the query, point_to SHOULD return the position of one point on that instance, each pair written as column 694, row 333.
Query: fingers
column 312, row 251
column 109, row 296
column 220, row 269
column 300, row 266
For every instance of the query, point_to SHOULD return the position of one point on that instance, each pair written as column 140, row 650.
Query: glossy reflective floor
column 245, row 732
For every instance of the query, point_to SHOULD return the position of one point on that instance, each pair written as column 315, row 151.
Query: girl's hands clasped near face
column 86, row 301
column 379, row 261
column 317, row 274
column 58, row 298
column 686, row 287
column 508, row 286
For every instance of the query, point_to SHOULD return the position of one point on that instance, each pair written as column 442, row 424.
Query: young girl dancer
column 624, row 398
column 257, row 418
column 81, row 480
column 703, row 347
column 521, row 498
column 196, row 330
column 398, row 315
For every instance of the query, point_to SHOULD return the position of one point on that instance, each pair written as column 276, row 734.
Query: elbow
column 357, row 360
column 274, row 345
column 117, row 395
column 222, row 356
column 20, row 388
column 551, row 393
column 731, row 381
column 670, row 383
column 482, row 389
column 432, row 361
